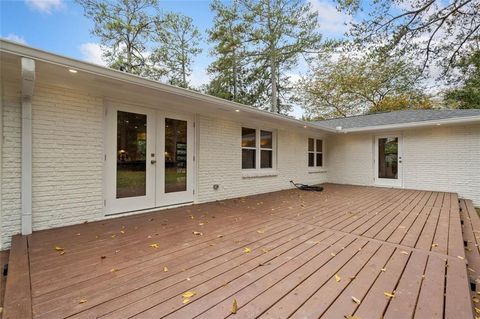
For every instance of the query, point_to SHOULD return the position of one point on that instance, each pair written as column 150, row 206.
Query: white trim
column 316, row 168
column 258, row 149
column 81, row 66
column 28, row 79
column 398, row 182
column 433, row 123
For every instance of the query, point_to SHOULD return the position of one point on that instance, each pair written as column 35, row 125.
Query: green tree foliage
column 433, row 31
column 341, row 85
column 467, row 96
column 258, row 42
column 124, row 29
column 178, row 43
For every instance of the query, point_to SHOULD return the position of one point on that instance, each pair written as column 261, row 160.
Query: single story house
column 81, row 142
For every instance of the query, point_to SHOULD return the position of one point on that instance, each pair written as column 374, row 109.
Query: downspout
column 28, row 80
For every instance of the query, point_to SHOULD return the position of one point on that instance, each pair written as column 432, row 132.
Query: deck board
column 376, row 240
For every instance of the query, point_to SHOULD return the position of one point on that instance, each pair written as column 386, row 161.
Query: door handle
column 153, row 161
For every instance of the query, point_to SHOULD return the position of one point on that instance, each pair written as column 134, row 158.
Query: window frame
column 315, row 152
column 258, row 148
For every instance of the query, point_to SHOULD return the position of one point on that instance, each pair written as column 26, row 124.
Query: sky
column 59, row 26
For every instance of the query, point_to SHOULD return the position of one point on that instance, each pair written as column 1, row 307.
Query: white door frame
column 174, row 198
column 155, row 186
column 390, row 182
column 115, row 205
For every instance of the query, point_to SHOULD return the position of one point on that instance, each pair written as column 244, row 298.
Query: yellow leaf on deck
column 58, row 248
column 186, row 300
column 356, row 300
column 113, row 270
column 460, row 257
column 389, row 294
column 383, row 269
column 247, row 250
column 337, row 278
column 201, row 224
column 189, row 294
column 197, row 233
column 404, row 252
column 165, row 268
column 234, row 306
column 155, row 245
column 264, row 250
column 260, row 231
column 434, row 245
column 475, row 300
column 333, row 254
column 83, row 300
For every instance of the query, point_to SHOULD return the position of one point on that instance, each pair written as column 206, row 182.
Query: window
column 257, row 148
column 315, row 152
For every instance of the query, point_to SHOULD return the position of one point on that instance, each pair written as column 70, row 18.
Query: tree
column 178, row 43
column 124, row 29
column 231, row 77
column 468, row 95
column 345, row 85
column 430, row 30
column 281, row 32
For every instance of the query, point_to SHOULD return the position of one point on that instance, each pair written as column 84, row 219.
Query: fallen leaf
column 234, row 306
column 186, row 300
column 165, row 268
column 337, row 278
column 356, row 300
column 113, row 236
column 197, row 233
column 460, row 257
column 122, row 231
column 103, row 257
column 351, row 317
column 62, row 252
column 83, row 300
column 264, row 250
column 404, row 252
column 247, row 250
column 475, row 300
column 58, row 248
column 434, row 245
column 383, row 269
column 155, row 245
column 219, row 236
column 260, row 231
column 201, row 224
column 389, row 294
column 113, row 270
column 333, row 254
column 189, row 294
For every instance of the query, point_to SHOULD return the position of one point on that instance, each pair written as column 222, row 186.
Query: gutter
column 411, row 125
column 28, row 80
column 52, row 58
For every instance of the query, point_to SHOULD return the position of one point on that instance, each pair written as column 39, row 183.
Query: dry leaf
column 122, row 231
column 337, row 278
column 165, row 268
column 197, row 233
column 264, row 250
column 189, row 294
column 186, row 300
column 351, row 317
column 113, row 236
column 113, row 270
column 383, row 269
column 234, row 306
column 460, row 257
column 356, row 300
column 389, row 294
column 260, row 231
column 83, row 300
column 201, row 224
column 333, row 254
column 247, row 250
column 155, row 245
column 58, row 248
column 434, row 245
column 62, row 252
column 404, row 252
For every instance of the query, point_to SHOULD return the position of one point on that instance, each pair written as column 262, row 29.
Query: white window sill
column 259, row 173
column 316, row 170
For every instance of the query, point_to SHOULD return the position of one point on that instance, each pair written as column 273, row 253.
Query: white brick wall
column 220, row 162
column 11, row 165
column 67, row 157
column 445, row 158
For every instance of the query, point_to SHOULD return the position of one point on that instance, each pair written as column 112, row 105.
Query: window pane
column 311, row 159
column 388, row 158
column 175, row 155
column 248, row 158
column 319, row 145
column 266, row 159
column 310, row 144
column 248, row 137
column 265, row 139
column 131, row 154
column 319, row 159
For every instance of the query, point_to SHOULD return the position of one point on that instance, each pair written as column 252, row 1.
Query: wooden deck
column 348, row 252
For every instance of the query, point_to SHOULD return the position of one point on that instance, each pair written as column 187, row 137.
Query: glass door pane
column 388, row 158
column 175, row 155
column 131, row 154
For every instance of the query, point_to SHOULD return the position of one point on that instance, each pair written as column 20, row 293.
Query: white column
column 28, row 79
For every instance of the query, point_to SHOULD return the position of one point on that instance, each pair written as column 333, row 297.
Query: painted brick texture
column 220, row 162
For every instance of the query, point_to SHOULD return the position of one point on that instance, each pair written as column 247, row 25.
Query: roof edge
column 53, row 58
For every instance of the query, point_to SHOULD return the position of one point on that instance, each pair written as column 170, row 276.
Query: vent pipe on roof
column 28, row 80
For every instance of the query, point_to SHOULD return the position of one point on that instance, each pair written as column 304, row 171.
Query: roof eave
column 48, row 57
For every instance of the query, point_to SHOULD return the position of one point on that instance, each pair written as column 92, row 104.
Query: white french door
column 148, row 159
column 388, row 160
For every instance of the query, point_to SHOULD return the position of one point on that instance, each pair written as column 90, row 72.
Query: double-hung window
column 315, row 152
column 257, row 148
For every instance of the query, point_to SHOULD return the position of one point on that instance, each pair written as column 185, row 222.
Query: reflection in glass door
column 131, row 154
column 175, row 155
column 388, row 160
